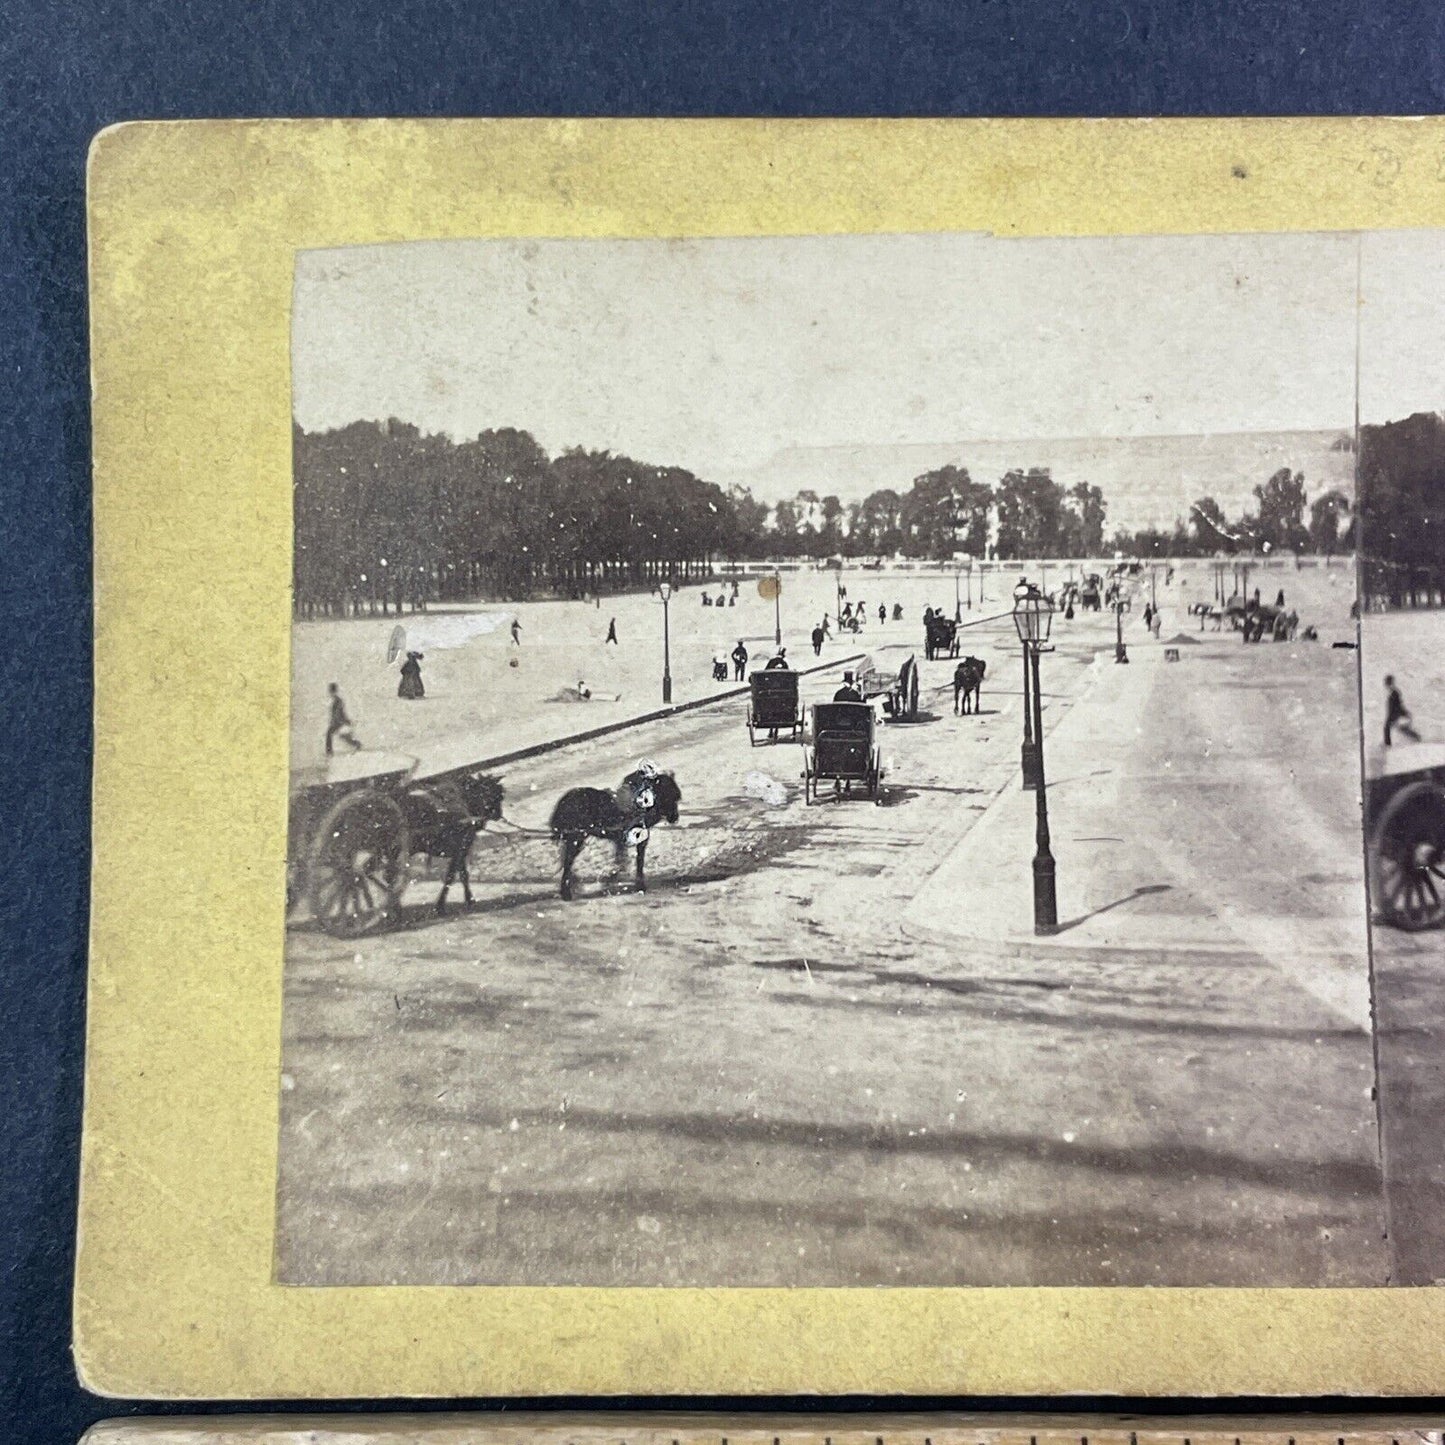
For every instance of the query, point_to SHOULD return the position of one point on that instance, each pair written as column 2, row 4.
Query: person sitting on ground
column 706, row 600
column 411, row 684
column 779, row 661
column 882, row 614
column 898, row 612
column 719, row 669
column 849, row 691
column 584, row 693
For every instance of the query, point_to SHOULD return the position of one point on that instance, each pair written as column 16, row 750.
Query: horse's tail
column 560, row 816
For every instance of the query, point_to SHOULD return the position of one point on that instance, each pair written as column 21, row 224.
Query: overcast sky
column 719, row 355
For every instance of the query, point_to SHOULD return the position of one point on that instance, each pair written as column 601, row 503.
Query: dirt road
column 751, row 1075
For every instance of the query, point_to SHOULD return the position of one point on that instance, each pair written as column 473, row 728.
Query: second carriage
column 773, row 704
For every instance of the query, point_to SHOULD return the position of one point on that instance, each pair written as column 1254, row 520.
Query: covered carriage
column 1405, row 830
column 773, row 704
column 940, row 636
column 840, row 745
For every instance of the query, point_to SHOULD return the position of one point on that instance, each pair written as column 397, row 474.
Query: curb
column 537, row 750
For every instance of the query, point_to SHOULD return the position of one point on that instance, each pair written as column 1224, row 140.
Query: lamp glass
column 665, row 591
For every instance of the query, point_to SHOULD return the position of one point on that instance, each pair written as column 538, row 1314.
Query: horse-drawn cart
column 773, row 705
column 899, row 690
column 1405, row 827
column 348, row 842
column 840, row 746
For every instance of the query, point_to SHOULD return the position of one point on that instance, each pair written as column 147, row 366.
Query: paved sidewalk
column 1220, row 818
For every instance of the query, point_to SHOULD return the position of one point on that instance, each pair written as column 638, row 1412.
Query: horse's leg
column 641, row 854
column 446, row 883
column 466, row 849
column 571, row 847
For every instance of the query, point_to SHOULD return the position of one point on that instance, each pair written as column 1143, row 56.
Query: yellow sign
column 770, row 587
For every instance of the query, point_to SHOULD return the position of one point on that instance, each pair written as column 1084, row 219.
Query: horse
column 584, row 813
column 443, row 818
column 968, row 683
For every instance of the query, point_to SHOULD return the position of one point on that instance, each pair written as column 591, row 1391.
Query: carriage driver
column 849, row 691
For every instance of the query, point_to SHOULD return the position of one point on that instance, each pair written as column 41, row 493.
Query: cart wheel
column 1408, row 858
column 810, row 788
column 873, row 783
column 358, row 864
column 752, row 737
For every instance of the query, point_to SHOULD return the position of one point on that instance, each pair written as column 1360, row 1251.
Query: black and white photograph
column 866, row 760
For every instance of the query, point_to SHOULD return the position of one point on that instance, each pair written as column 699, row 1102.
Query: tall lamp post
column 1033, row 616
column 665, row 591
column 777, row 610
column 957, row 604
column 1028, row 749
column 1119, row 653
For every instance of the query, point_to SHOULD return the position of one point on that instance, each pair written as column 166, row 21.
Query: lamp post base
column 667, row 687
column 1046, row 905
column 1120, row 654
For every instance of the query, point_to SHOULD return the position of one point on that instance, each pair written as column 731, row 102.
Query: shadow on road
column 1141, row 892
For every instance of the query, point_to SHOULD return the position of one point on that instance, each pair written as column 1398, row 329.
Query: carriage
column 940, row 636
column 773, row 704
column 1405, row 828
column 1091, row 592
column 1257, row 623
column 840, row 746
column 899, row 690
column 348, row 842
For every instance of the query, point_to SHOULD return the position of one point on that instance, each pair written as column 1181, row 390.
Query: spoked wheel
column 358, row 864
column 810, row 785
column 752, row 734
column 1408, row 858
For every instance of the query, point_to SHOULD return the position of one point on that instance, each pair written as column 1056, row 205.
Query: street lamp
column 778, row 610
column 1033, row 616
column 1028, row 749
column 665, row 590
column 1120, row 655
column 957, row 605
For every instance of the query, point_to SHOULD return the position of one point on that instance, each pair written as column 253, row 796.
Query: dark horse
column 968, row 684
column 444, row 816
column 585, row 813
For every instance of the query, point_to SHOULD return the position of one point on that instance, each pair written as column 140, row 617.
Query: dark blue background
column 66, row 70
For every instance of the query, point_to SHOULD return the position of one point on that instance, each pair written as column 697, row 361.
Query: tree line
column 387, row 517
column 1402, row 508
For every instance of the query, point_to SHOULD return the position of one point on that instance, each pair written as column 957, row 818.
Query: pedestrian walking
column 882, row 614
column 612, row 633
column 740, row 661
column 516, row 632
column 1397, row 715
column 411, row 684
column 339, row 725
column 827, row 626
column 817, row 641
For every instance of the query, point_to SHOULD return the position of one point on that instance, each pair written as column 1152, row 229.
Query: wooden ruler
column 534, row 1428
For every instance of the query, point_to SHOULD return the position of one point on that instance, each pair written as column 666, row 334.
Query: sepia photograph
column 888, row 760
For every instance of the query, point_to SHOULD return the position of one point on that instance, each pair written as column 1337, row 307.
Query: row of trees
column 1283, row 520
column 1402, row 507
column 386, row 517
